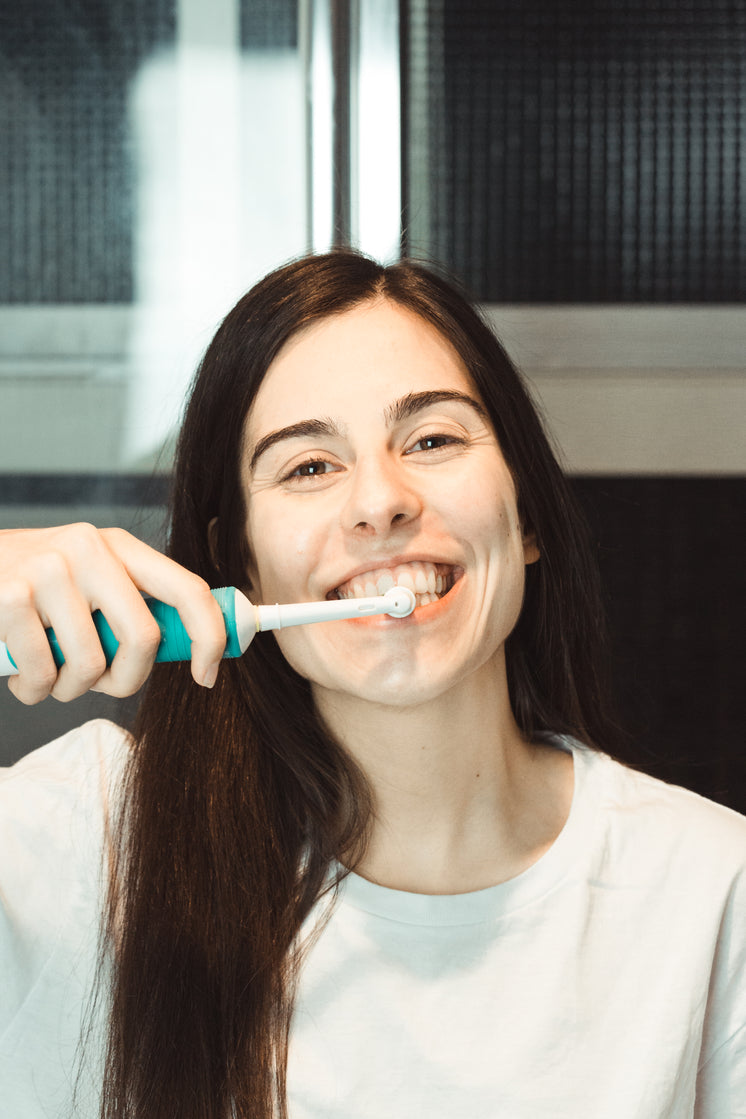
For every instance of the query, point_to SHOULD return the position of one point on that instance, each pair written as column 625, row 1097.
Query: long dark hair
column 237, row 801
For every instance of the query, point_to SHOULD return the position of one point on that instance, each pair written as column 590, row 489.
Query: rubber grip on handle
column 175, row 643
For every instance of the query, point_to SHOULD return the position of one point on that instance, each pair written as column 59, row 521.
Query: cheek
column 283, row 550
column 492, row 521
column 496, row 525
column 298, row 652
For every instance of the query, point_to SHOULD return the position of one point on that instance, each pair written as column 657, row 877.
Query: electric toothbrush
column 242, row 619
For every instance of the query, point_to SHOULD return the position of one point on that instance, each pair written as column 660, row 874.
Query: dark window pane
column 67, row 172
column 269, row 24
column 587, row 152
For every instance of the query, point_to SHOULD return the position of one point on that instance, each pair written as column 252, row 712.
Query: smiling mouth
column 428, row 581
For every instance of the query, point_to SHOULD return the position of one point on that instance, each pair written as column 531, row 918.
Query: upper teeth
column 425, row 579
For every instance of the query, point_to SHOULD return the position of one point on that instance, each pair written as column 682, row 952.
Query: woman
column 374, row 867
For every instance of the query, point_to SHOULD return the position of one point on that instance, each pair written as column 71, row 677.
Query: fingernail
column 210, row 676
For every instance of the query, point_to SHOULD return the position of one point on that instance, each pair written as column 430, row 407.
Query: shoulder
column 54, row 820
column 658, row 829
column 675, row 809
column 97, row 742
column 75, row 773
column 671, row 865
column 55, row 807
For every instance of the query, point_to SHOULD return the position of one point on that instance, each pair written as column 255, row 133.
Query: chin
column 398, row 688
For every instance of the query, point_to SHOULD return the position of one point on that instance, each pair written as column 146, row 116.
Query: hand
column 59, row 576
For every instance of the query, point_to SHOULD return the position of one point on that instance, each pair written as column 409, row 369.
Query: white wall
column 636, row 389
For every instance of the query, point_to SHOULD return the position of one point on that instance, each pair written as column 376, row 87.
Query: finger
column 37, row 672
column 85, row 666
column 79, row 642
column 82, row 574
column 84, row 659
column 23, row 633
column 111, row 591
column 60, row 576
column 190, row 595
column 111, row 568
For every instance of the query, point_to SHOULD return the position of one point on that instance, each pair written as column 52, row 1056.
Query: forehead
column 360, row 359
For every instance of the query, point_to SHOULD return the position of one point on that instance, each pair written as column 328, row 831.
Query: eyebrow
column 400, row 410
column 416, row 401
column 294, row 431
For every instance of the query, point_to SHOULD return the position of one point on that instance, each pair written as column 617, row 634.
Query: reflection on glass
column 156, row 167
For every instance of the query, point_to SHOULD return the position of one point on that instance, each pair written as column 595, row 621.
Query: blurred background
column 580, row 168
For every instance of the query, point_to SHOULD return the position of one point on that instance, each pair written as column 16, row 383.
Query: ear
column 531, row 551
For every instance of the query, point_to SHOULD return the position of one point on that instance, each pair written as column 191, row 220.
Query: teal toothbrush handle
column 175, row 641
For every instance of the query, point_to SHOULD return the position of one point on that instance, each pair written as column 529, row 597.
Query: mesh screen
column 267, row 24
column 66, row 172
column 587, row 152
column 67, row 219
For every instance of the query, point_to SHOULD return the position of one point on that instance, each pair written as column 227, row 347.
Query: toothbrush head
column 401, row 601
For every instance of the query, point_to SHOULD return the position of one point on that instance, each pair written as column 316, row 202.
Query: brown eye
column 311, row 469
column 435, row 443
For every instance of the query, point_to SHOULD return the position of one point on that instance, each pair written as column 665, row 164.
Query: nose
column 381, row 497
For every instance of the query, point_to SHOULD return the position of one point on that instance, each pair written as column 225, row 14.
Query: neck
column 461, row 800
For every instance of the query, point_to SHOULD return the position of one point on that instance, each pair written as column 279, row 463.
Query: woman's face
column 368, row 460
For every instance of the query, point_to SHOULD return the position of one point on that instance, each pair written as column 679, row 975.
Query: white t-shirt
column 608, row 981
